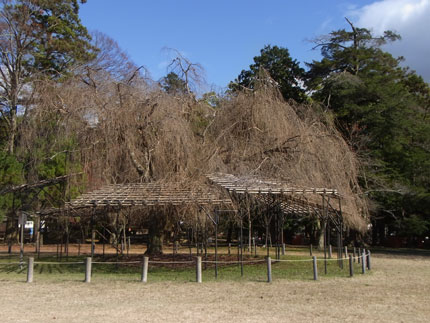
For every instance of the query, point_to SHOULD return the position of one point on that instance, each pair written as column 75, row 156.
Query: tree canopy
column 282, row 69
column 382, row 109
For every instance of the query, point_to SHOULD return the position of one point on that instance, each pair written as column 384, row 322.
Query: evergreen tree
column 284, row 70
column 382, row 109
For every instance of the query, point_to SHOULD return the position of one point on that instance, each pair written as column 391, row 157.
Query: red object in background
column 298, row 239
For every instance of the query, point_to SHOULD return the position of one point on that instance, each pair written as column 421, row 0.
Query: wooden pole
column 283, row 249
column 363, row 262
column 351, row 267
column 369, row 266
column 30, row 269
column 216, row 245
column 315, row 268
column 241, row 246
column 346, row 252
column 145, row 269
column 88, row 269
column 359, row 255
column 199, row 269
column 21, row 251
column 190, row 236
column 269, row 269
column 329, row 251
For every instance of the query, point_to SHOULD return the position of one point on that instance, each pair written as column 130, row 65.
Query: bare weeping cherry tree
column 127, row 129
column 258, row 133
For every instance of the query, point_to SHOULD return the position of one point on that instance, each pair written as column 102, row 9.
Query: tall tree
column 284, row 70
column 38, row 38
column 382, row 109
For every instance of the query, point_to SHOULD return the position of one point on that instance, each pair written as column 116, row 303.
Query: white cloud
column 411, row 19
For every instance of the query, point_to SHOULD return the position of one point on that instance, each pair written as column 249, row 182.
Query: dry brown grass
column 396, row 291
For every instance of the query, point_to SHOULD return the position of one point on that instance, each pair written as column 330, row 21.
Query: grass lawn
column 396, row 290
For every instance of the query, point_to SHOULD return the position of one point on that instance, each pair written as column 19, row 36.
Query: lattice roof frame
column 146, row 194
column 292, row 199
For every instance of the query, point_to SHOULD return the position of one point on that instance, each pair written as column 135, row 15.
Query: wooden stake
column 315, row 268
column 30, row 269
column 269, row 269
column 145, row 269
column 199, row 269
column 88, row 269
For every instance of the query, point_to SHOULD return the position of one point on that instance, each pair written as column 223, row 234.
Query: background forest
column 73, row 103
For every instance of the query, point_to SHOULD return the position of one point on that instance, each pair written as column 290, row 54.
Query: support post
column 315, row 268
column 199, row 269
column 359, row 255
column 329, row 251
column 283, row 249
column 145, row 269
column 241, row 246
column 269, row 269
column 229, row 249
column 369, row 264
column 354, row 252
column 88, row 269
column 310, row 250
column 363, row 262
column 346, row 252
column 30, row 269
column 351, row 267
column 21, row 244
column 216, row 245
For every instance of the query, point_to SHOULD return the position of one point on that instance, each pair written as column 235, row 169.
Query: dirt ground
column 397, row 290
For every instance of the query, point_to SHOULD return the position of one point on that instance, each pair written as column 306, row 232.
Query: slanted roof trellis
column 254, row 185
column 147, row 194
column 291, row 199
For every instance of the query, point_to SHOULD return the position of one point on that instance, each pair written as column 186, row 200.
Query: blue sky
column 223, row 36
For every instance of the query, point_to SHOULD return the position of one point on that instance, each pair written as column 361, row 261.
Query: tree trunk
column 156, row 228
column 320, row 236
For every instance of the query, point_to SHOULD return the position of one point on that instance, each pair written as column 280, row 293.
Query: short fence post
column 199, row 269
column 30, row 269
column 229, row 249
column 310, row 250
column 314, row 265
column 359, row 255
column 329, row 251
column 88, row 269
column 369, row 266
column 351, row 268
column 346, row 252
column 269, row 269
column 363, row 261
column 283, row 249
column 145, row 269
column 354, row 253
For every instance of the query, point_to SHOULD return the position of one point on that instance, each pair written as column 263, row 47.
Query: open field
column 395, row 291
